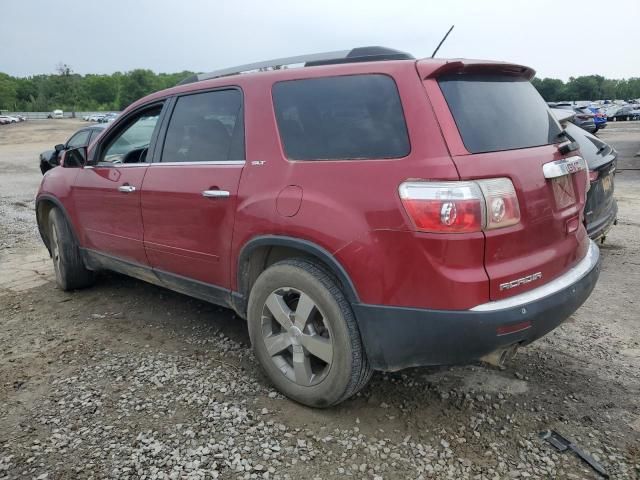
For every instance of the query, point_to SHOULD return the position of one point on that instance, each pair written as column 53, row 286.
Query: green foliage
column 589, row 87
column 7, row 92
column 72, row 92
column 69, row 91
column 134, row 85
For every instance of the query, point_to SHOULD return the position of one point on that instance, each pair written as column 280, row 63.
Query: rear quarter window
column 498, row 112
column 341, row 118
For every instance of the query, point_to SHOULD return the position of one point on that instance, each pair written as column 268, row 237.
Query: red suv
column 369, row 211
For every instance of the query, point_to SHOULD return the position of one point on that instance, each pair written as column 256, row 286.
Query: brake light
column 460, row 207
column 583, row 117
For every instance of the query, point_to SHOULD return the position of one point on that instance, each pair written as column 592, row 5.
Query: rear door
column 502, row 128
column 189, row 195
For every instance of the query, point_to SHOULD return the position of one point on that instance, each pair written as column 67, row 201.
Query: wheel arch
column 44, row 204
column 260, row 252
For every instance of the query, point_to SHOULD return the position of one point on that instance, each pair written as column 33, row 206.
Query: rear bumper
column 598, row 227
column 398, row 337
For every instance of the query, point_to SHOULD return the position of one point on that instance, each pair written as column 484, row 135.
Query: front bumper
column 399, row 337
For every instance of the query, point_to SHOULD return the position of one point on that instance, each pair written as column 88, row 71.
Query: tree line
column 70, row 91
column 589, row 87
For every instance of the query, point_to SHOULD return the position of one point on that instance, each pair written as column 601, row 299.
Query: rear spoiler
column 434, row 68
column 563, row 115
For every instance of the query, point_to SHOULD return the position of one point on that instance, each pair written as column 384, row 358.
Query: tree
column 100, row 89
column 7, row 92
column 551, row 89
column 134, row 85
column 583, row 88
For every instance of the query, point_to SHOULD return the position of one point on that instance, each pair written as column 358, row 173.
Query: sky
column 559, row 38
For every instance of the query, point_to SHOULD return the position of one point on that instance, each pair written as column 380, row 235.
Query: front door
column 106, row 193
column 189, row 196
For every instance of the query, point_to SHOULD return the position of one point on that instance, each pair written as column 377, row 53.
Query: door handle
column 215, row 193
column 127, row 188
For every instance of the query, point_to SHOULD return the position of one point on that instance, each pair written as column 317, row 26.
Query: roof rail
column 360, row 54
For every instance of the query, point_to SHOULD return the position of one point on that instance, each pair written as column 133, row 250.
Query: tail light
column 460, row 207
column 583, row 117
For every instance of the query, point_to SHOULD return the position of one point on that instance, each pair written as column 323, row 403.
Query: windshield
column 498, row 112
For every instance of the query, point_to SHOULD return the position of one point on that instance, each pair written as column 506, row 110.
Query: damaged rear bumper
column 398, row 337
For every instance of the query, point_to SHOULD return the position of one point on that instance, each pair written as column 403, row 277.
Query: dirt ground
column 129, row 380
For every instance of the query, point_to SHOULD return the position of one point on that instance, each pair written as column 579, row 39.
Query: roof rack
column 360, row 54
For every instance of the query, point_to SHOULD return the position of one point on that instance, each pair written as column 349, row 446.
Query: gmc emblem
column 521, row 281
column 574, row 166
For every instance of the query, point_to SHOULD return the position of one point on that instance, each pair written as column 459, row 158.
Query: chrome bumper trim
column 572, row 276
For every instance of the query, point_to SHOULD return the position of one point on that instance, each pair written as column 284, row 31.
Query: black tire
column 69, row 268
column 348, row 370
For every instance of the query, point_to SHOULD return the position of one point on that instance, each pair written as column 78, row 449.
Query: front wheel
column 67, row 262
column 304, row 334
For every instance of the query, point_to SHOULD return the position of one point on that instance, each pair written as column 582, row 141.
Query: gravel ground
column 128, row 380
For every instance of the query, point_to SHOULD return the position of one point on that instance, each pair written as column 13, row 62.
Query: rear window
column 497, row 112
column 340, row 118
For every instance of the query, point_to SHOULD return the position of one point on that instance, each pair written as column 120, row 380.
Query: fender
column 42, row 228
column 240, row 297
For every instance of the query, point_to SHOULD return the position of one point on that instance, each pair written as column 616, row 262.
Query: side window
column 340, row 118
column 94, row 135
column 130, row 145
column 80, row 139
column 206, row 127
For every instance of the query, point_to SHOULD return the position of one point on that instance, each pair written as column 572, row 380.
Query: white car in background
column 56, row 114
column 8, row 119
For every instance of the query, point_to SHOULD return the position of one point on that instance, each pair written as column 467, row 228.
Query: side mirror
column 58, row 148
column 75, row 158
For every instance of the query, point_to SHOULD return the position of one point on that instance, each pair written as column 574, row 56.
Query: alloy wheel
column 297, row 336
column 55, row 249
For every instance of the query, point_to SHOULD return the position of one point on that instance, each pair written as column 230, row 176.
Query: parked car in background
column 4, row 120
column 82, row 138
column 600, row 117
column 359, row 214
column 601, row 208
column 96, row 117
column 9, row 119
column 56, row 114
column 583, row 117
column 626, row 112
column 109, row 117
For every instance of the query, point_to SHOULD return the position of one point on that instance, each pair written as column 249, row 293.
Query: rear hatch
column 497, row 126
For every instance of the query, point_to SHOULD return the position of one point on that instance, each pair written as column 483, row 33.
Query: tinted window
column 131, row 144
column 80, row 139
column 495, row 112
column 206, row 127
column 94, row 135
column 350, row 117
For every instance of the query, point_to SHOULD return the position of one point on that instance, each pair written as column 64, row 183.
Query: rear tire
column 305, row 336
column 68, row 265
